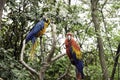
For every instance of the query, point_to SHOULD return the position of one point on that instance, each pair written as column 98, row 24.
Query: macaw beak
column 69, row 37
column 48, row 21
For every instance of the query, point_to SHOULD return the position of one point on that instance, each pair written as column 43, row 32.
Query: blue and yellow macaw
column 74, row 53
column 38, row 30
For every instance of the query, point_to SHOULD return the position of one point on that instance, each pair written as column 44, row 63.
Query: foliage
column 21, row 15
column 57, row 69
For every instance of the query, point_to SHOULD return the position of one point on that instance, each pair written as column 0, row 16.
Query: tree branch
column 104, row 23
column 2, row 3
column 47, row 62
column 23, row 63
column 1, row 79
column 57, row 57
column 104, row 4
column 115, row 62
column 53, row 43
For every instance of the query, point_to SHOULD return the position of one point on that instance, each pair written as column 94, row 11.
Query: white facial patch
column 69, row 37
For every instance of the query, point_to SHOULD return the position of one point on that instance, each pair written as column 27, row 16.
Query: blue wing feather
column 78, row 63
column 32, row 34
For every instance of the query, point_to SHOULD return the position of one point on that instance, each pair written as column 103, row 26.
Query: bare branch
column 57, row 57
column 1, row 79
column 104, row 4
column 104, row 24
column 115, row 62
column 2, row 3
column 85, row 2
column 53, row 43
column 23, row 63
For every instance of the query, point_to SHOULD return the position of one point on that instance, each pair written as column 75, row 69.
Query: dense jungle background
column 94, row 23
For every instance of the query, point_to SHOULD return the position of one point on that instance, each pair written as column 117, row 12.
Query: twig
column 104, row 4
column 23, row 63
column 104, row 24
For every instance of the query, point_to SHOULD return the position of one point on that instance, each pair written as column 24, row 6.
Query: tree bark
column 96, row 21
column 115, row 62
column 69, row 2
column 2, row 3
column 50, row 55
column 44, row 67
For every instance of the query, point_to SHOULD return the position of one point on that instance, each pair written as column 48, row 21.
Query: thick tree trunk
column 2, row 3
column 42, row 71
column 96, row 21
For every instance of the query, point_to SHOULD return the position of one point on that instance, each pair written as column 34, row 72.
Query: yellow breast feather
column 77, row 52
column 43, row 30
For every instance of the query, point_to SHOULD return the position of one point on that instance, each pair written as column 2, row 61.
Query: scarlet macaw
column 75, row 55
column 37, row 31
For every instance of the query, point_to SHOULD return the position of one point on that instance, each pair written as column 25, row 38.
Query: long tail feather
column 79, row 67
column 32, row 52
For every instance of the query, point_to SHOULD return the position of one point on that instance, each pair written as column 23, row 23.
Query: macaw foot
column 79, row 76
